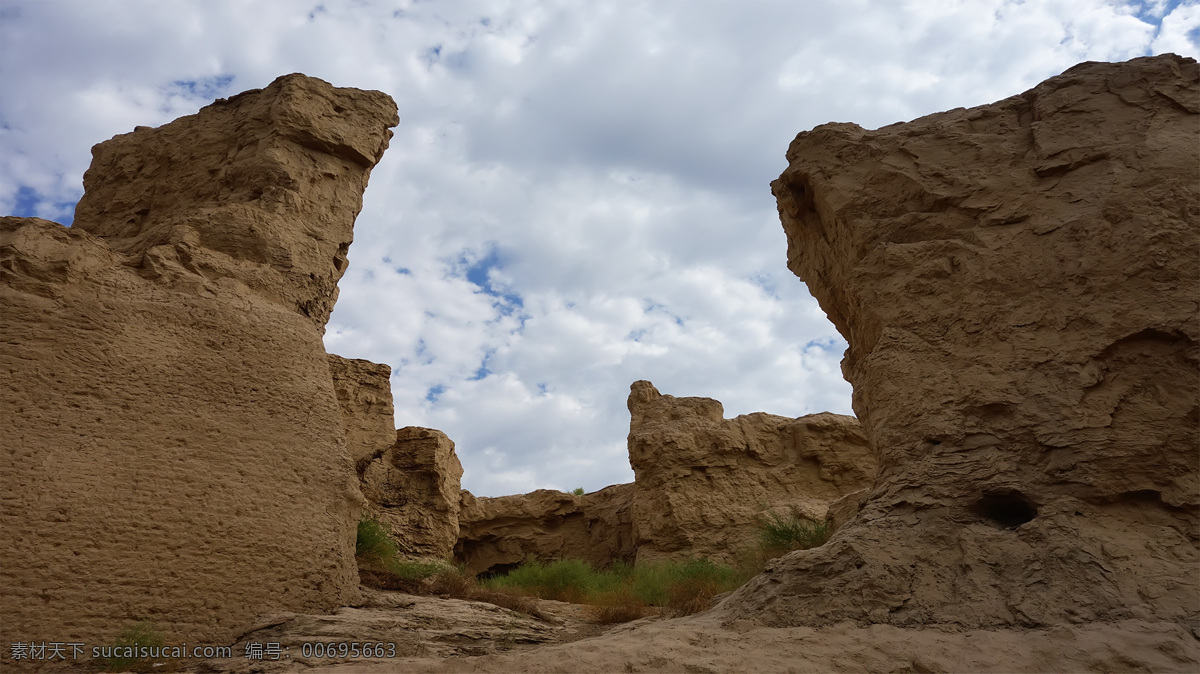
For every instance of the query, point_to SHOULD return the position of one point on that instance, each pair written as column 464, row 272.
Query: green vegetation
column 622, row 592
column 779, row 534
column 578, row 491
column 374, row 546
column 618, row 593
column 377, row 554
column 128, row 645
column 380, row 566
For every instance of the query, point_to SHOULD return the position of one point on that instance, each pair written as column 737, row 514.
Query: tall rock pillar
column 1019, row 287
column 172, row 448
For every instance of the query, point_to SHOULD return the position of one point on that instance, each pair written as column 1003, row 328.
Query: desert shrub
column 135, row 636
column 374, row 546
column 622, row 592
column 421, row 570
column 450, row 581
column 513, row 602
column 380, row 565
column 685, row 587
column 578, row 491
column 566, row 580
column 780, row 533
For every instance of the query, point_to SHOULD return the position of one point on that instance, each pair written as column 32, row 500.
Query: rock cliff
column 409, row 478
column 172, row 446
column 1019, row 288
column 260, row 189
column 413, row 487
column 702, row 483
column 364, row 393
column 496, row 534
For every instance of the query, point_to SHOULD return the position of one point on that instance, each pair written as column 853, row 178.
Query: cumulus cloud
column 577, row 196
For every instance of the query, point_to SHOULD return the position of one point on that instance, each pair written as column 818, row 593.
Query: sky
column 577, row 196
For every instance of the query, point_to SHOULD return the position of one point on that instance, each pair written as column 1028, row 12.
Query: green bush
column 672, row 584
column 135, row 636
column 374, row 546
column 779, row 533
column 567, row 580
column 578, row 491
column 376, row 551
column 623, row 592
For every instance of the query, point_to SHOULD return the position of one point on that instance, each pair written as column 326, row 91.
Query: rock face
column 413, row 487
column 364, row 393
column 172, row 449
column 702, row 483
column 1019, row 289
column 259, row 189
column 496, row 534
column 410, row 478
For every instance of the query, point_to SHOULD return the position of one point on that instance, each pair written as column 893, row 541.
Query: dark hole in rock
column 1008, row 509
column 497, row 570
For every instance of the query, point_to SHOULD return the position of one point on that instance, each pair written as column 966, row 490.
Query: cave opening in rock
column 1008, row 509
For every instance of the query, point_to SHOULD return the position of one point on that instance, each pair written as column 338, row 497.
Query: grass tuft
column 622, row 592
column 134, row 637
column 779, row 534
column 374, row 546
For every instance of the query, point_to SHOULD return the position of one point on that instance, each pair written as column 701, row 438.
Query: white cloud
column 577, row 196
column 1180, row 31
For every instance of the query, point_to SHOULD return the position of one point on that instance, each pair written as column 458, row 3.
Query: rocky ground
column 450, row 635
column 423, row 629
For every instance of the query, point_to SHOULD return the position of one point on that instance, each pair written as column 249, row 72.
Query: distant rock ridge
column 703, row 483
column 703, row 486
column 497, row 534
column 172, row 445
column 1019, row 288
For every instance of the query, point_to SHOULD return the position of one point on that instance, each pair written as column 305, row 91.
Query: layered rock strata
column 497, row 534
column 172, row 449
column 413, row 487
column 410, row 478
column 703, row 483
column 364, row 393
column 1018, row 286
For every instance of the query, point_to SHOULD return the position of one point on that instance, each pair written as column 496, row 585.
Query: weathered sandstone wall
column 172, row 448
column 702, row 483
column 1019, row 287
column 413, row 487
column 496, row 534
column 364, row 393
column 409, row 478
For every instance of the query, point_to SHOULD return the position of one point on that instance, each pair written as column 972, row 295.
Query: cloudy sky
column 577, row 194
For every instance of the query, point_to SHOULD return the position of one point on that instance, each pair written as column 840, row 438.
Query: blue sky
column 577, row 194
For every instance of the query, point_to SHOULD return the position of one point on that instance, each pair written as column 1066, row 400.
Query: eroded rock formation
column 410, row 478
column 496, row 534
column 172, row 448
column 364, row 393
column 702, row 483
column 1019, row 289
column 413, row 487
